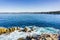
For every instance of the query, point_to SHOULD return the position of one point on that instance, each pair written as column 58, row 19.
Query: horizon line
column 24, row 11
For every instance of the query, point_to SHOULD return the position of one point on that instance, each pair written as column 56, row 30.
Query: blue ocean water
column 41, row 20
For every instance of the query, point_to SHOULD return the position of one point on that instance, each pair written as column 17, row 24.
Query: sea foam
column 37, row 31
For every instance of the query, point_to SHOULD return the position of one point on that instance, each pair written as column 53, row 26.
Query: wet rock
column 13, row 29
column 3, row 30
column 27, row 29
column 20, row 39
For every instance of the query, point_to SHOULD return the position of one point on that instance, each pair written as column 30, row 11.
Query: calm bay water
column 42, row 20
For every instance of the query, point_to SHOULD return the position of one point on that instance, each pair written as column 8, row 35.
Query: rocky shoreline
column 30, row 33
column 42, row 37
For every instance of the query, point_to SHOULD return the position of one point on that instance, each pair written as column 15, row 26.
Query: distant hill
column 51, row 12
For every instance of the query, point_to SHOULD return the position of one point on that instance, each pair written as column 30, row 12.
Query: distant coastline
column 50, row 12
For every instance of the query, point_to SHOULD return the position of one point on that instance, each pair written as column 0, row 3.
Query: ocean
column 22, row 20
column 40, row 23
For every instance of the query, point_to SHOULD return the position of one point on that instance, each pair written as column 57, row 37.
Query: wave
column 36, row 31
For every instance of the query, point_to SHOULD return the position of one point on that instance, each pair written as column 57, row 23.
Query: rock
column 27, row 29
column 28, row 38
column 49, row 38
column 59, row 37
column 13, row 29
column 33, row 39
column 20, row 39
column 55, row 36
column 3, row 30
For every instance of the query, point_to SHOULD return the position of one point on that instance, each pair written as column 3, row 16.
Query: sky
column 29, row 5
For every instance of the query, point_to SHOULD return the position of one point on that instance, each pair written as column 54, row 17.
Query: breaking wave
column 37, row 31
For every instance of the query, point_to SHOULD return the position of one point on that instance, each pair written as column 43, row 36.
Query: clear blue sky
column 29, row 5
